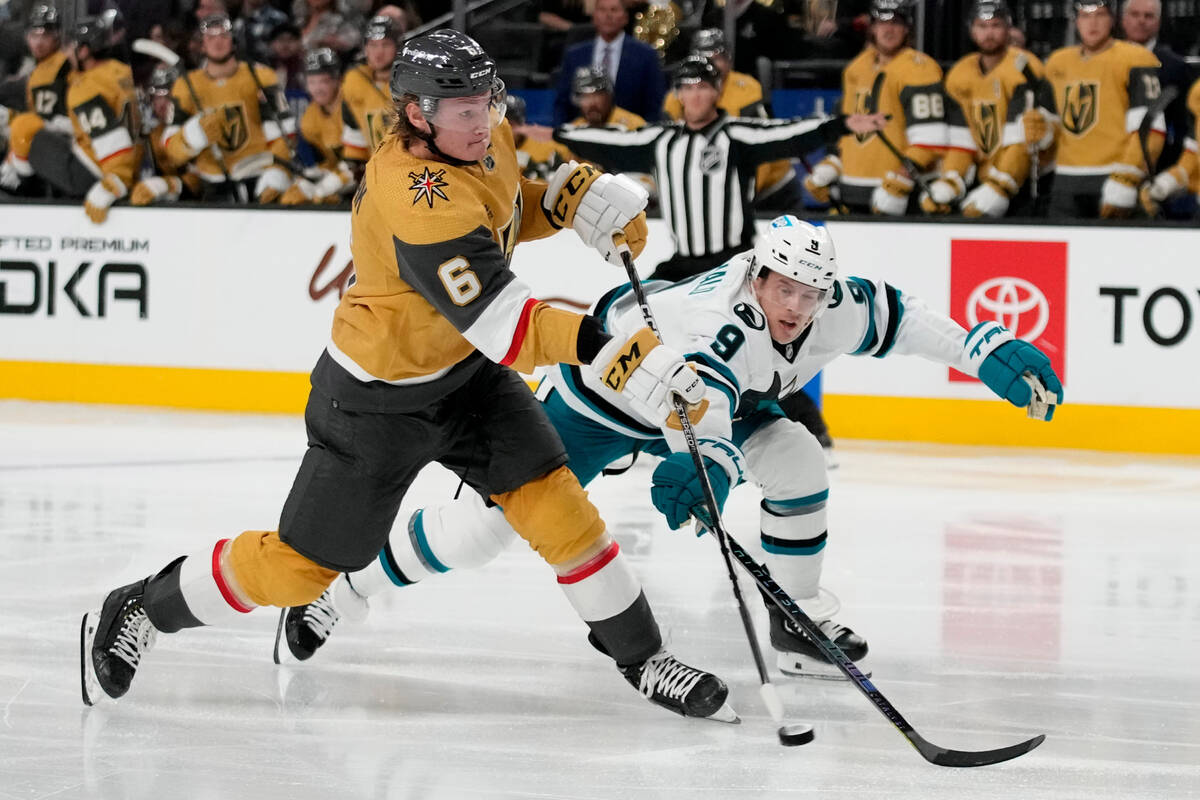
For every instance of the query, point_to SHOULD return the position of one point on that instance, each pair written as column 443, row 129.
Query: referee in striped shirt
column 704, row 165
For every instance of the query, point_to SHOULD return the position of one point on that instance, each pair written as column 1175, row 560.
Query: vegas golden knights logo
column 862, row 99
column 987, row 127
column 378, row 122
column 1080, row 106
column 233, row 129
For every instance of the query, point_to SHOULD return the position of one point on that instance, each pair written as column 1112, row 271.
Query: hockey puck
column 796, row 734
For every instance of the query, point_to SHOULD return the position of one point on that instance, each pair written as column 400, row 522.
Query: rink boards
column 228, row 309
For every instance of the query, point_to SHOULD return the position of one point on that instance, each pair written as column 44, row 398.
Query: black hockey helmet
column 1092, row 5
column 43, row 17
column 515, row 109
column 381, row 27
column 696, row 69
column 216, row 24
column 162, row 80
column 892, row 11
column 92, row 33
column 990, row 9
column 445, row 64
column 322, row 61
column 589, row 80
column 708, row 42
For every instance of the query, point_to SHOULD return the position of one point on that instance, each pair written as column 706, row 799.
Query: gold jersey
column 617, row 118
column 539, row 159
column 367, row 112
column 742, row 96
column 46, row 91
column 431, row 244
column 322, row 128
column 1102, row 98
column 912, row 94
column 249, row 127
column 1192, row 145
column 104, row 114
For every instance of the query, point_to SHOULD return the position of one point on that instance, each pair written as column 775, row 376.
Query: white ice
column 1004, row 594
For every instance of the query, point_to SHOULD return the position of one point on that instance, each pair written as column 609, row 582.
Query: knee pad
column 22, row 129
column 554, row 515
column 271, row 573
column 786, row 460
column 454, row 535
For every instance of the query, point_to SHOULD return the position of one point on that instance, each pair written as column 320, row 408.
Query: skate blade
column 800, row 666
column 725, row 714
column 282, row 653
column 89, row 683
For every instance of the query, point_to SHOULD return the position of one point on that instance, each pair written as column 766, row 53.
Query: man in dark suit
column 639, row 83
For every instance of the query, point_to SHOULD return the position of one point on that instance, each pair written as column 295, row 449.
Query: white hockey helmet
column 801, row 251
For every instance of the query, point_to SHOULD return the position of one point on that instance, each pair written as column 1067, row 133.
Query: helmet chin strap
column 428, row 139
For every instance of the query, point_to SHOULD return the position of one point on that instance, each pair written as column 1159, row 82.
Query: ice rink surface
column 1004, row 594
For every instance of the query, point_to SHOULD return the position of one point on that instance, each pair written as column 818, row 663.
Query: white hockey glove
column 156, row 188
column 60, row 124
column 5, row 116
column 824, row 175
column 944, row 192
column 891, row 198
column 1119, row 194
column 597, row 206
column 648, row 374
column 985, row 201
column 101, row 196
column 272, row 184
column 13, row 170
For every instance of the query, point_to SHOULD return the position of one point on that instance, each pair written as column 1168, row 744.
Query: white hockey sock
column 460, row 534
column 603, row 586
column 793, row 535
column 193, row 591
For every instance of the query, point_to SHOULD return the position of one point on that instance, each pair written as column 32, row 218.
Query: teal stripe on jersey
column 717, row 367
column 895, row 314
column 610, row 415
column 870, row 338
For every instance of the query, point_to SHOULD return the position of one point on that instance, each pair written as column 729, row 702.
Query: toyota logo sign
column 1015, row 303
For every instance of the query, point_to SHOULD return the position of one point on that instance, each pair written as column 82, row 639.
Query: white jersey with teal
column 716, row 322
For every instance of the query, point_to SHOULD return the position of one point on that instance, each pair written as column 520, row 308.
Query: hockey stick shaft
column 770, row 698
column 910, row 166
column 730, row 547
column 1035, row 156
column 292, row 163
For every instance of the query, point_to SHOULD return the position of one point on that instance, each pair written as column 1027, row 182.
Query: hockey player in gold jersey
column 741, row 96
column 537, row 158
column 993, row 132
column 1103, row 89
column 231, row 132
column 169, row 182
column 367, row 103
column 417, row 370
column 321, row 126
column 45, row 110
column 865, row 173
column 1184, row 174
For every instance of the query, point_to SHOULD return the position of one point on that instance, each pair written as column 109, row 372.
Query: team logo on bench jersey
column 1079, row 109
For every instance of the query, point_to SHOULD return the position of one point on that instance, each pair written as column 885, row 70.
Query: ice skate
column 302, row 630
column 112, row 642
column 798, row 655
column 675, row 686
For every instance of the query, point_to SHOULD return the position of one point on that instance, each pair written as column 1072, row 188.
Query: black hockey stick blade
column 932, row 753
column 1164, row 99
column 944, row 757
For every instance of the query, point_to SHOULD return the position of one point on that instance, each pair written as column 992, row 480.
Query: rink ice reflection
column 1004, row 594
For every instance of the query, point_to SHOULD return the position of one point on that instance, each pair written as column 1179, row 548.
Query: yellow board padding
column 981, row 422
column 174, row 387
column 995, row 422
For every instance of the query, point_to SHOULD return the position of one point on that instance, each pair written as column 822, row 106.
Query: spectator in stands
column 1140, row 21
column 864, row 175
column 286, row 56
column 253, row 28
column 1102, row 89
column 776, row 187
column 638, row 80
column 762, row 32
column 322, row 26
column 538, row 158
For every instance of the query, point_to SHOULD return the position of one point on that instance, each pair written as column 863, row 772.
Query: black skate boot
column 112, row 642
column 677, row 687
column 303, row 629
column 798, row 655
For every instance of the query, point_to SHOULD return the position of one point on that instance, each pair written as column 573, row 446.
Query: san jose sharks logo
column 428, row 186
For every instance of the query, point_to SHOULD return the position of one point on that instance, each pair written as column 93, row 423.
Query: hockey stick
column 1164, row 99
column 789, row 734
column 1035, row 156
column 149, row 47
column 932, row 753
column 909, row 165
column 292, row 164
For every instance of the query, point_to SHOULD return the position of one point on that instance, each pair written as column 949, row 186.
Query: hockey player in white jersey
column 756, row 329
